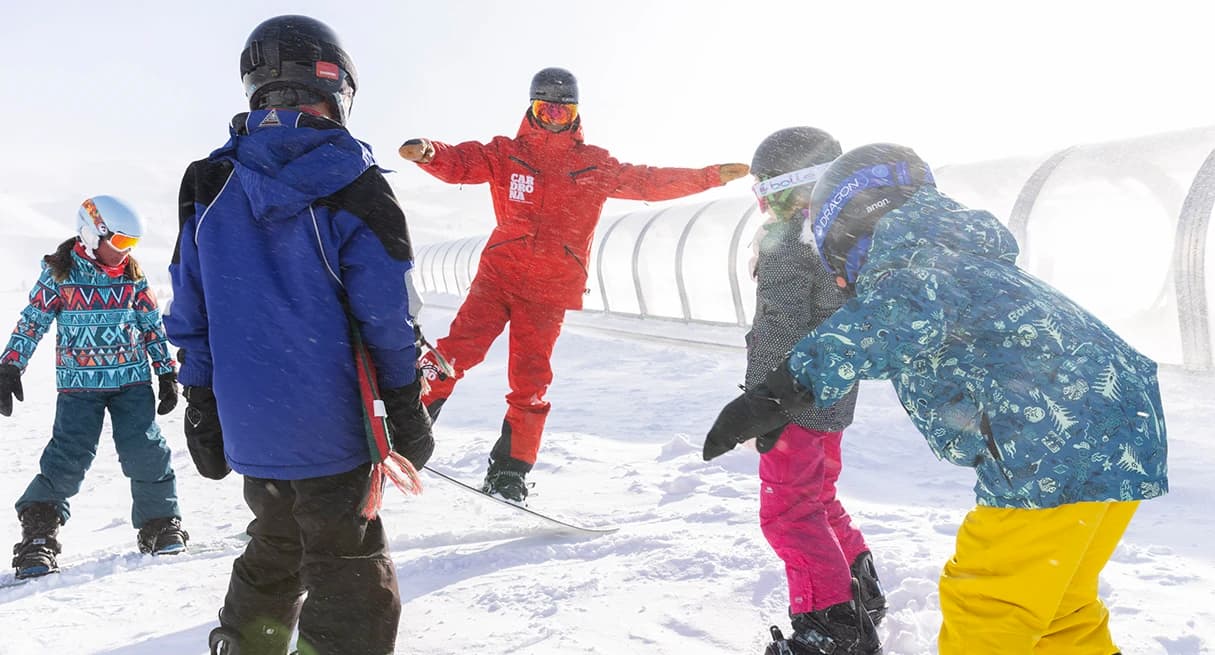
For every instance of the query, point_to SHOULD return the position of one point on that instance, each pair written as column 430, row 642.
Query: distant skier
column 801, row 516
column 548, row 190
column 1060, row 418
column 289, row 236
column 109, row 329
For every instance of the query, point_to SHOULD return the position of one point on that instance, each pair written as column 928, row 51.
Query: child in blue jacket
column 109, row 330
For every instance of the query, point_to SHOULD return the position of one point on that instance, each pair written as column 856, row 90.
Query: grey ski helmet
column 293, row 60
column 791, row 149
column 786, row 166
column 856, row 191
column 555, row 85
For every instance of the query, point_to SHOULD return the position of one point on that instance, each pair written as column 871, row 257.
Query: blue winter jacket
column 998, row 370
column 287, row 230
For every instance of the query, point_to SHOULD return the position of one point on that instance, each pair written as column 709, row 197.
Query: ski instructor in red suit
column 548, row 189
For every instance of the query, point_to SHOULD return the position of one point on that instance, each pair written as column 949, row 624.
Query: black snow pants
column 313, row 559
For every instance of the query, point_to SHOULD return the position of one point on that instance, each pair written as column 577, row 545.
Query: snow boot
column 163, row 536
column 506, row 483
column 35, row 555
column 871, row 597
column 843, row 629
column 260, row 639
column 224, row 641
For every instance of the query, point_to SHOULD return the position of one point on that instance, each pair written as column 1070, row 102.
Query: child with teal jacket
column 109, row 329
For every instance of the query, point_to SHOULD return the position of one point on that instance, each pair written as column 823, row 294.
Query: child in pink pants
column 835, row 599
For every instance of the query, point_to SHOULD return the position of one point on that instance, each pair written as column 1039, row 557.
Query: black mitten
column 10, row 387
column 746, row 417
column 409, row 423
column 168, row 393
column 761, row 413
column 204, row 436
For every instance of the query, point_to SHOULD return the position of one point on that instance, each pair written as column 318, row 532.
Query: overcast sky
column 663, row 82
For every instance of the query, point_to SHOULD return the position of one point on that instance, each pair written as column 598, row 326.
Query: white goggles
column 774, row 185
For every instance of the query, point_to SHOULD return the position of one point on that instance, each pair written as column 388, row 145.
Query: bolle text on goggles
column 554, row 113
column 122, row 242
column 775, row 190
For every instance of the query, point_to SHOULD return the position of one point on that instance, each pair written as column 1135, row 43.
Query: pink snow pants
column 804, row 521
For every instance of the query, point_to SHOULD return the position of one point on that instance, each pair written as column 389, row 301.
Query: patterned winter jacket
column 999, row 371
column 794, row 293
column 108, row 329
column 548, row 190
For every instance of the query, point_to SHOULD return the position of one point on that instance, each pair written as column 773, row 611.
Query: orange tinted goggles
column 554, row 113
column 122, row 242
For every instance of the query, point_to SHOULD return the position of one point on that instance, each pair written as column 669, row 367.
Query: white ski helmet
column 102, row 217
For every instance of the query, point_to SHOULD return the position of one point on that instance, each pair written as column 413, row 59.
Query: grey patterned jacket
column 794, row 293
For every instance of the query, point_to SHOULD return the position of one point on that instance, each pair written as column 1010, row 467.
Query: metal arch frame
column 419, row 260
column 637, row 260
column 1189, row 261
column 447, row 251
column 434, row 258
column 680, row 283
column 1018, row 219
column 482, row 243
column 460, row 253
column 735, row 283
column 599, row 259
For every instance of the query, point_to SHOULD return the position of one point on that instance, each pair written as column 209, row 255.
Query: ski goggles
column 122, row 242
column 554, row 113
column 774, row 192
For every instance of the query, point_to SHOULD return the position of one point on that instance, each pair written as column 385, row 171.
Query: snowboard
column 552, row 520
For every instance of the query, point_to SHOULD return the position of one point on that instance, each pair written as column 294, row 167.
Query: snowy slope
column 688, row 571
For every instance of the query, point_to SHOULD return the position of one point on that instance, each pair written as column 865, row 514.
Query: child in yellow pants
column 1025, row 580
column 1058, row 416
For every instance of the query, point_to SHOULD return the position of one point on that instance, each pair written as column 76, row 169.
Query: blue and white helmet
column 102, row 217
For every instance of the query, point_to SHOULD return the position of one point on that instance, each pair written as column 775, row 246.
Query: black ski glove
column 168, row 393
column 760, row 413
column 204, row 436
column 10, row 387
column 409, row 424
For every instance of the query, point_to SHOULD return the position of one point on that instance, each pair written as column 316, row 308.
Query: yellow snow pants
column 1024, row 581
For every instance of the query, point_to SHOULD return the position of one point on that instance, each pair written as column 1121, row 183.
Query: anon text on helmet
column 857, row 190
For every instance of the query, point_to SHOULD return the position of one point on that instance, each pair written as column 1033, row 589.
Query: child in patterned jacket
column 1059, row 417
column 109, row 327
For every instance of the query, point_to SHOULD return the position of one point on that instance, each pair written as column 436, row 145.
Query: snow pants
column 534, row 328
column 314, row 559
column 1024, row 581
column 142, row 452
column 803, row 520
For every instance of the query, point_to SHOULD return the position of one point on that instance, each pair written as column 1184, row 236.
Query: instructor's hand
column 731, row 172
column 417, row 150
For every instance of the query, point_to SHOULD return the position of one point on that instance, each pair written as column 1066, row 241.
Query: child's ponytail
column 60, row 261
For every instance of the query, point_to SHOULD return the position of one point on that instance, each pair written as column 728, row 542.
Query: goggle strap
column 800, row 177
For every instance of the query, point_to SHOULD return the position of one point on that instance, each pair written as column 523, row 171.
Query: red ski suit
column 548, row 191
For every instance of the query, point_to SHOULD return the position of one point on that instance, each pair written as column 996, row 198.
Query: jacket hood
column 930, row 230
column 285, row 160
column 531, row 129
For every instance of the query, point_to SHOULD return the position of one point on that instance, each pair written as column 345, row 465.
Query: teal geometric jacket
column 999, row 371
column 109, row 328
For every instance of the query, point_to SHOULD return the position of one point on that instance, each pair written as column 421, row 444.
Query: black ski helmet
column 292, row 60
column 555, row 85
column 791, row 149
column 857, row 190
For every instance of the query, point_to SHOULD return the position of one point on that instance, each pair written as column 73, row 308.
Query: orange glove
column 730, row 172
column 419, row 150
